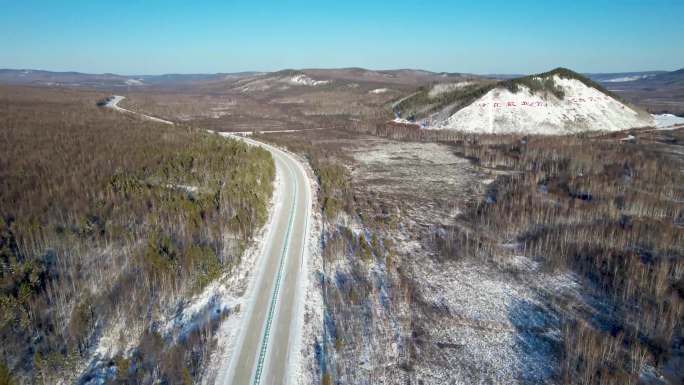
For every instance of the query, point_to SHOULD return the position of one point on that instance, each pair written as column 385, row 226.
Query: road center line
column 276, row 288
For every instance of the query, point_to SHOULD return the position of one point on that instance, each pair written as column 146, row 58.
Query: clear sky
column 491, row 36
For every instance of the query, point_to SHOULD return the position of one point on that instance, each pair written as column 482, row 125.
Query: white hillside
column 582, row 108
column 303, row 80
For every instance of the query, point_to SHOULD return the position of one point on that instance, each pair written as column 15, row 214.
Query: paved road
column 113, row 103
column 270, row 324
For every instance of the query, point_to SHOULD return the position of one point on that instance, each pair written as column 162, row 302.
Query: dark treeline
column 106, row 220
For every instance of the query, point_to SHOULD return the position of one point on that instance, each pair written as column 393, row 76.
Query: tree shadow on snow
column 537, row 343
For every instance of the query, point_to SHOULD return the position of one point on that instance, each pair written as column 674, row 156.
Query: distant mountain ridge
column 659, row 92
column 79, row 79
column 68, row 78
column 618, row 77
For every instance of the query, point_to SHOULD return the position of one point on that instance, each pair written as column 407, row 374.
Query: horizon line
column 328, row 68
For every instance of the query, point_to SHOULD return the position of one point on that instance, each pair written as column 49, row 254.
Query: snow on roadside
column 310, row 315
column 113, row 103
column 233, row 290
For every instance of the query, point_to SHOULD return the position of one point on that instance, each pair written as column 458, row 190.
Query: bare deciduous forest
column 608, row 211
column 108, row 220
column 612, row 213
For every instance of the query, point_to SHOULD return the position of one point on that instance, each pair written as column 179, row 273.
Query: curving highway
column 270, row 325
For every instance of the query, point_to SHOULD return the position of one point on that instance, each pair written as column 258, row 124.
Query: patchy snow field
column 627, row 78
column 408, row 170
column 582, row 109
column 134, row 82
column 484, row 326
column 468, row 321
column 225, row 298
column 303, row 80
column 667, row 120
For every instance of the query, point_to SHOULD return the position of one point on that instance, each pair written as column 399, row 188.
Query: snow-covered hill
column 303, row 80
column 557, row 102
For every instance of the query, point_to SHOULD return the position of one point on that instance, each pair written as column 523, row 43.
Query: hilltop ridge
column 559, row 101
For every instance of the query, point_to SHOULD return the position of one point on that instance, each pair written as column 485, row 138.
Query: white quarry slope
column 582, row 108
column 664, row 121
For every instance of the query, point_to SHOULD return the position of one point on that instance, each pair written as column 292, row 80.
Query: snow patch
column 134, row 82
column 303, row 80
column 627, row 79
column 237, row 291
column 667, row 120
column 403, row 121
column 581, row 109
column 502, row 327
column 379, row 91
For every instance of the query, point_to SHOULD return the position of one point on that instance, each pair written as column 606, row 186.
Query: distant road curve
column 269, row 333
column 113, row 103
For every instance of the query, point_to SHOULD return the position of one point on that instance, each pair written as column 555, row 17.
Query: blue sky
column 493, row 36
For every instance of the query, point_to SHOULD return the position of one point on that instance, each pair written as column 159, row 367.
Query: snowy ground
column 667, row 120
column 236, row 290
column 439, row 321
column 379, row 91
column 226, row 297
column 627, row 78
column 302, row 358
column 233, row 293
column 303, row 80
column 134, row 82
column 582, row 109
column 491, row 327
column 401, row 170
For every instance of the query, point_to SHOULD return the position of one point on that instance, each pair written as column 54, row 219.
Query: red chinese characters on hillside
column 539, row 103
